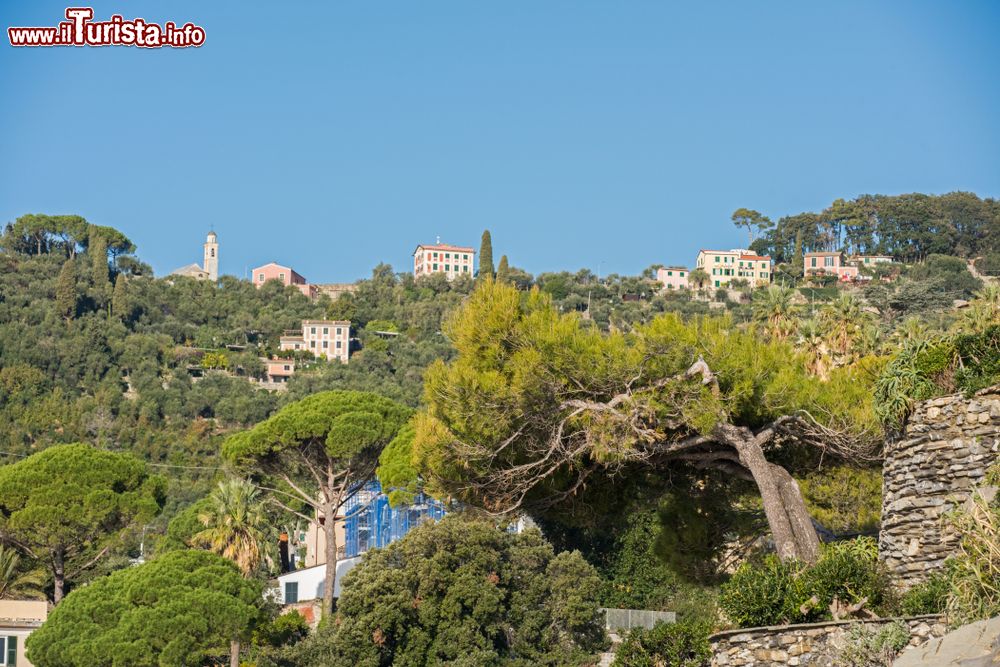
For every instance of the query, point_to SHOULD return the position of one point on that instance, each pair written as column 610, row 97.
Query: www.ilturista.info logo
column 81, row 30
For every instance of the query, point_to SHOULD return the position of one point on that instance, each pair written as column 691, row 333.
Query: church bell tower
column 211, row 265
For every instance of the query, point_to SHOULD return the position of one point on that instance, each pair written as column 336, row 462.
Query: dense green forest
column 95, row 349
column 908, row 227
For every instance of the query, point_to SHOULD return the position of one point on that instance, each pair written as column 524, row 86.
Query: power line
column 161, row 465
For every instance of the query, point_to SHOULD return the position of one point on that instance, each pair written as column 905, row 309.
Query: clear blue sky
column 334, row 135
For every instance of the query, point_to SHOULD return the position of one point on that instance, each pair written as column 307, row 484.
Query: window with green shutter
column 291, row 592
column 8, row 651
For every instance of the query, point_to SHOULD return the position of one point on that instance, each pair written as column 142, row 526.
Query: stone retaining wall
column 806, row 645
column 948, row 444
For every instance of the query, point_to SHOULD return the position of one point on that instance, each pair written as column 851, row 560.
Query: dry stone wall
column 806, row 645
column 947, row 446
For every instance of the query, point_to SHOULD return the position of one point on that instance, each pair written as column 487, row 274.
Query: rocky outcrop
column 973, row 645
column 948, row 445
column 806, row 645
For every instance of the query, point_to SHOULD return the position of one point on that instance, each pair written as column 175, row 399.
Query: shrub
column 763, row 593
column 665, row 645
column 930, row 597
column 284, row 630
column 769, row 592
column 848, row 571
column 870, row 647
column 462, row 592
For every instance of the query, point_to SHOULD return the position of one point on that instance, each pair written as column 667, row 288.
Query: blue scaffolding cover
column 370, row 522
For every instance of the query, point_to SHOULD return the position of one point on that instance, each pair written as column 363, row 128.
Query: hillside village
column 203, row 381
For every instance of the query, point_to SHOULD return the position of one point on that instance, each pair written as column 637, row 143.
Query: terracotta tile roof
column 443, row 246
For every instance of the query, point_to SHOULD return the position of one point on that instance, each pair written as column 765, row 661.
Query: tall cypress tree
column 98, row 251
column 119, row 298
column 486, row 256
column 66, row 295
column 503, row 270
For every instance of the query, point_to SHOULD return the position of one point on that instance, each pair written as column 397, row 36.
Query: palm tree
column 983, row 310
column 773, row 307
column 236, row 525
column 811, row 343
column 13, row 581
column 912, row 330
column 844, row 317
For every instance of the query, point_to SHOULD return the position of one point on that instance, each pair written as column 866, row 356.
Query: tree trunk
column 787, row 516
column 330, row 532
column 58, row 577
column 234, row 653
column 807, row 541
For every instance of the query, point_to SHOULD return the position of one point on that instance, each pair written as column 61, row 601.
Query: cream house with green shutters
column 18, row 619
column 724, row 266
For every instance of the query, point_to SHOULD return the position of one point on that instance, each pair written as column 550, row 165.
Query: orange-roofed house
column 451, row 260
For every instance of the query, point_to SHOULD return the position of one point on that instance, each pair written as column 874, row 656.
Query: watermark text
column 79, row 29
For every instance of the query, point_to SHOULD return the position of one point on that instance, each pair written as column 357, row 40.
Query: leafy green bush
column 769, row 592
column 462, row 592
column 763, row 593
column 848, row 571
column 284, row 630
column 666, row 645
column 869, row 647
column 930, row 597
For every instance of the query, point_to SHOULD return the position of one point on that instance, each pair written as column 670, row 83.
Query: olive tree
column 319, row 450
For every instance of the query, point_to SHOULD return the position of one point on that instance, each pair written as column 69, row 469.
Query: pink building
column 450, row 260
column 279, row 370
column 673, row 277
column 829, row 263
column 285, row 274
column 324, row 338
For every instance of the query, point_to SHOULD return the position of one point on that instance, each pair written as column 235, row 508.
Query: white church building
column 210, row 269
